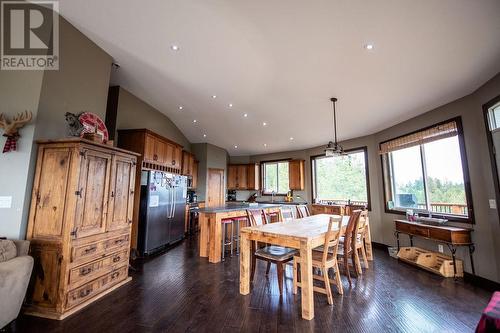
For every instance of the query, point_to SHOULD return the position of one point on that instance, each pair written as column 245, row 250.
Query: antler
column 21, row 119
column 3, row 121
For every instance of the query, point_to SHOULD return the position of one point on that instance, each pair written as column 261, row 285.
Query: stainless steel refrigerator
column 162, row 210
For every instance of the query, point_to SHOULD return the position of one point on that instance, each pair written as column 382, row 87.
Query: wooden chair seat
column 275, row 253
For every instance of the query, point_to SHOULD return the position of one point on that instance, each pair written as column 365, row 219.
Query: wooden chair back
column 286, row 214
column 302, row 211
column 351, row 230
column 257, row 217
column 332, row 238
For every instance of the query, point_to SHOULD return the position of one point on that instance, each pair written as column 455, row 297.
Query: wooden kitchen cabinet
column 79, row 225
column 243, row 177
column 253, row 179
column 296, row 174
column 187, row 163
column 194, row 183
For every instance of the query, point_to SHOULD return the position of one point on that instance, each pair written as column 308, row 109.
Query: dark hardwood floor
column 180, row 292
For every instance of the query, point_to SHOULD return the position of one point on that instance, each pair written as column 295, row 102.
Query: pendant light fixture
column 334, row 148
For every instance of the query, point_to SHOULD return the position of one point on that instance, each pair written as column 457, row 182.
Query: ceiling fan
column 333, row 148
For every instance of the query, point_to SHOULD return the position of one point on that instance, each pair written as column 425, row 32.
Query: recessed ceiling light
column 230, row 105
column 264, row 124
column 214, row 96
column 291, row 138
column 181, row 107
column 369, row 46
column 235, row 147
column 265, row 144
column 174, row 47
column 245, row 115
column 194, row 121
column 204, row 135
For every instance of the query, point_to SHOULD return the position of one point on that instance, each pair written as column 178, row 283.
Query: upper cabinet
column 243, row 177
column 155, row 149
column 296, row 174
column 190, row 168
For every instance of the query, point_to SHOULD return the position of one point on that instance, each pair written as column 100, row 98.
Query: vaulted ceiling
column 279, row 62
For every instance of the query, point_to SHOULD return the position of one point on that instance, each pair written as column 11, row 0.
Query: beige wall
column 135, row 113
column 80, row 84
column 486, row 233
column 209, row 156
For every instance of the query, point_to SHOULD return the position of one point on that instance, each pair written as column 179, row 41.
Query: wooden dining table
column 302, row 234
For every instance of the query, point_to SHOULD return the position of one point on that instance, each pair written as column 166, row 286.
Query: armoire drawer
column 97, row 249
column 83, row 273
column 94, row 287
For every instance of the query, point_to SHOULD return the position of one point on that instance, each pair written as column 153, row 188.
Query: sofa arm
column 22, row 246
column 14, row 279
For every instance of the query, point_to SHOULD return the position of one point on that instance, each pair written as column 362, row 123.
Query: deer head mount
column 11, row 128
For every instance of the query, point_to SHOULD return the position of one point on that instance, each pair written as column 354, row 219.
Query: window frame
column 263, row 176
column 465, row 170
column 363, row 149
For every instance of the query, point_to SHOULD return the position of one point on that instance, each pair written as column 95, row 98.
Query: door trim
column 491, row 149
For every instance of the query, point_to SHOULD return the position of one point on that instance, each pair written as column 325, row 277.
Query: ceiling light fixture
column 181, row 107
column 194, row 121
column 264, row 124
column 265, row 144
column 245, row 115
column 235, row 147
column 333, row 148
column 204, row 135
column 291, row 138
column 214, row 96
column 230, row 105
column 174, row 47
column 369, row 47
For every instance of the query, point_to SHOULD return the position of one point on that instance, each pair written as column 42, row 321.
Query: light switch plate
column 493, row 203
column 5, row 202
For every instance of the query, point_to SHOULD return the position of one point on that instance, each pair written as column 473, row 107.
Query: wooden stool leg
column 347, row 271
column 338, row 281
column 327, row 286
column 295, row 272
column 365, row 258
column 280, row 277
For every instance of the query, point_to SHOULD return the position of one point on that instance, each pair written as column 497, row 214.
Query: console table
column 453, row 237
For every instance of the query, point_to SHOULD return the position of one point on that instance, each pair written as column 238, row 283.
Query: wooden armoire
column 79, row 224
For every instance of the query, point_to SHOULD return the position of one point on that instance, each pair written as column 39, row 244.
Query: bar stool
column 225, row 224
column 238, row 221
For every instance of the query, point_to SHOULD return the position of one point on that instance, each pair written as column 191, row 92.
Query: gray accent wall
column 134, row 113
column 80, row 84
column 209, row 156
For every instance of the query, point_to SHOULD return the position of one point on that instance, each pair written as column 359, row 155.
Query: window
column 275, row 177
column 494, row 117
column 424, row 171
column 341, row 179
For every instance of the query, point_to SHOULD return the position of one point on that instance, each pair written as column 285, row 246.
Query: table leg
column 411, row 240
column 453, row 251
column 471, row 250
column 245, row 264
column 203, row 235
column 397, row 238
column 214, row 255
column 306, row 281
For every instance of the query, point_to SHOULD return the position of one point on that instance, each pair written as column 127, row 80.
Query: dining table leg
column 245, row 250
column 306, row 276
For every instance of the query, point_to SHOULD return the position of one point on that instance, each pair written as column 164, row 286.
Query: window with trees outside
column 341, row 179
column 275, row 177
column 426, row 172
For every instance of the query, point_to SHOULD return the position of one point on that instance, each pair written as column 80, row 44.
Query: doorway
column 215, row 191
column 492, row 120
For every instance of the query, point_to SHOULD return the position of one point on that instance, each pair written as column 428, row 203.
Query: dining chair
column 347, row 249
column 324, row 261
column 286, row 214
column 272, row 254
column 302, row 211
column 360, row 240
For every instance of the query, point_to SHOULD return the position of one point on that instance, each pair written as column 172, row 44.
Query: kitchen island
column 211, row 227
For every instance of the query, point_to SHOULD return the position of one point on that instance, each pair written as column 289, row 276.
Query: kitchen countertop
column 236, row 207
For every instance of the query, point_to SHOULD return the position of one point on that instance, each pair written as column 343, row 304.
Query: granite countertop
column 236, row 207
